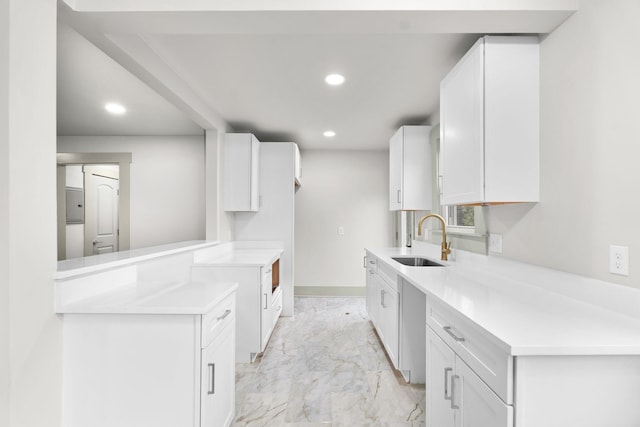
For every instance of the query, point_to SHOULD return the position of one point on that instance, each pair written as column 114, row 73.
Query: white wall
column 30, row 333
column 5, row 288
column 340, row 188
column 219, row 224
column 167, row 183
column 590, row 146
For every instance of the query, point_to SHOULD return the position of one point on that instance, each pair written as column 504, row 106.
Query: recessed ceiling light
column 329, row 133
column 114, row 108
column 334, row 79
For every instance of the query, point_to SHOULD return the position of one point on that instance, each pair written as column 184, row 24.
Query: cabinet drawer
column 371, row 263
column 480, row 350
column 214, row 321
column 388, row 274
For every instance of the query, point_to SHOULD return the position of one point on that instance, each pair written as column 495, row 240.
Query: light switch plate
column 495, row 243
column 619, row 260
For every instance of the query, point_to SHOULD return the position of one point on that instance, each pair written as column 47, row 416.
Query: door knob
column 95, row 242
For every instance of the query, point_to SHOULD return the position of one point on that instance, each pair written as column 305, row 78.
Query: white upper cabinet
column 410, row 169
column 490, row 119
column 241, row 172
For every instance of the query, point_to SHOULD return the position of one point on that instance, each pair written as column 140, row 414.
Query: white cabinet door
column 389, row 309
column 395, row 171
column 218, row 380
column 440, row 370
column 456, row 396
column 241, row 172
column 461, row 129
column 372, row 294
column 489, row 128
column 479, row 406
column 410, row 169
column 266, row 310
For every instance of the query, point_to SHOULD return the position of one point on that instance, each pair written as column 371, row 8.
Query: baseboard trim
column 329, row 291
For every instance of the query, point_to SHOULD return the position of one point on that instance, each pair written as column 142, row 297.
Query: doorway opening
column 93, row 203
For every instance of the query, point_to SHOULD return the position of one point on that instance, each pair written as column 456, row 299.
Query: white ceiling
column 88, row 79
column 263, row 72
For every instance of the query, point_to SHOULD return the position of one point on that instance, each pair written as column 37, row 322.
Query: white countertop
column 244, row 257
column 91, row 264
column 154, row 298
column 528, row 319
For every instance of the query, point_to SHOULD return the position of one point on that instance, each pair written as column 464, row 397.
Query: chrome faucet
column 446, row 248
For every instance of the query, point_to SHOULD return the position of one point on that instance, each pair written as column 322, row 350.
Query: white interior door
column 101, row 209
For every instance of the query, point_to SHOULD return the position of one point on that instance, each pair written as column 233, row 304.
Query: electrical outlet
column 619, row 260
column 495, row 243
column 341, row 231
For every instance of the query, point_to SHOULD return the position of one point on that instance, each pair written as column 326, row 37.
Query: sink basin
column 417, row 262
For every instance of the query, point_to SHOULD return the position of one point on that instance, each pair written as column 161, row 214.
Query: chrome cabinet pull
column 453, row 391
column 226, row 313
column 364, row 261
column 382, row 299
column 447, row 396
column 398, row 196
column 212, row 378
column 265, row 301
column 448, row 330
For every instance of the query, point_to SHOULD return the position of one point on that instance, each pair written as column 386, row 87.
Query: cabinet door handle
column 453, row 391
column 364, row 261
column 266, row 304
column 226, row 313
column 382, row 299
column 212, row 378
column 398, row 196
column 448, row 330
column 447, row 396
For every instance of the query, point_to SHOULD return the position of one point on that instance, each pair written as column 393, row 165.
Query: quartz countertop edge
column 173, row 298
column 523, row 319
column 244, row 257
column 92, row 264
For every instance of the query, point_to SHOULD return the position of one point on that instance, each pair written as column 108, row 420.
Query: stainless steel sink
column 417, row 262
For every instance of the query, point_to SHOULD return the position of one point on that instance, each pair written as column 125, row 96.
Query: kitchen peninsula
column 146, row 343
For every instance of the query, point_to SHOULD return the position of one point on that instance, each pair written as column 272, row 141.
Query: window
column 459, row 216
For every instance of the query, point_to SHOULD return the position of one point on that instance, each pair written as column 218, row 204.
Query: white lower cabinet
column 161, row 370
column 259, row 302
column 456, row 396
column 389, row 307
column 383, row 306
column 372, row 290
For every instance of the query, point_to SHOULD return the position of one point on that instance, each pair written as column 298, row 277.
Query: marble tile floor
column 325, row 367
